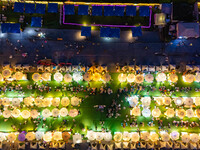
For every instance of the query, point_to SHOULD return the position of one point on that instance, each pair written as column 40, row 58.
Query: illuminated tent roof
column 170, row 112
column 65, row 101
column 174, row 135
column 139, row 78
column 36, row 77
column 58, row 77
column 118, row 136
column 135, row 137
column 161, row 77
column 149, row 78
column 173, row 78
column 67, row 78
column 122, row 77
column 6, row 73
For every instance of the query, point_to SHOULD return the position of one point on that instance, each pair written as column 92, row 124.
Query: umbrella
column 16, row 113
column 58, row 77
column 39, row 135
column 55, row 102
column 57, row 136
column 194, row 137
column 77, row 76
column 18, row 75
column 1, row 77
column 165, row 137
column 25, row 114
column 170, row 112
column 65, row 136
column 188, row 101
column 99, row 136
column 167, row 100
column 149, row 78
column 106, row 77
column 133, row 101
column 2, row 137
column 47, row 136
column 181, row 113
column 6, row 73
column 188, row 78
column 135, row 137
column 146, row 112
column 30, row 136
column 11, row 137
column 67, row 78
column 173, row 78
column 34, row 113
column 136, row 111
column 15, row 102
column 197, row 77
column 178, row 101
column 126, row 136
column 46, row 113
column 154, row 136
column 63, row 112
column 96, row 77
column 139, row 78
column 21, row 137
column 185, row 138
column 156, row 112
column 73, row 112
column 5, row 101
column 161, row 77
column 107, row 136
column 197, row 111
column 28, row 101
column 146, row 101
column 174, row 135
column 46, row 76
column 6, row 114
column 55, row 112
column 46, row 102
column 197, row 101
column 38, row 101
column 189, row 113
column 118, row 136
column 36, row 77
column 145, row 135
column 75, row 101
column 65, row 101
column 122, row 77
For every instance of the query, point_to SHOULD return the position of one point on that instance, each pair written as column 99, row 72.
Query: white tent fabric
column 188, row 30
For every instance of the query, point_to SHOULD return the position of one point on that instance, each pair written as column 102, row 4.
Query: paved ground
column 95, row 49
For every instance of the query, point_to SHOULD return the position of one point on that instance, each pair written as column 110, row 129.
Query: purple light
column 120, row 26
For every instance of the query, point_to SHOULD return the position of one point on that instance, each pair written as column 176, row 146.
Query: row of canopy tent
column 32, row 8
column 110, row 32
column 99, row 10
column 179, row 101
column 38, row 135
column 46, row 113
column 144, row 135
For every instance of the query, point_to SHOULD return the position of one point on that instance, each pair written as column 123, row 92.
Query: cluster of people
column 113, row 110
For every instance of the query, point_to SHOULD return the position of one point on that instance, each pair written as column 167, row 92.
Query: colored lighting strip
column 120, row 26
